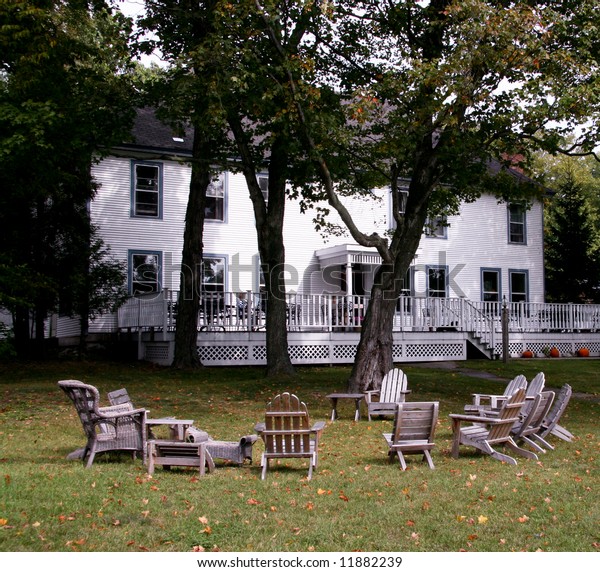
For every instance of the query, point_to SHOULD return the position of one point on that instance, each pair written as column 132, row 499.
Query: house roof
column 149, row 133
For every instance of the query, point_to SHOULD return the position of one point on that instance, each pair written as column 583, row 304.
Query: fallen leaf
column 198, row 549
column 523, row 518
column 482, row 519
column 3, row 522
column 203, row 520
column 344, row 497
column 309, row 506
column 253, row 501
column 207, row 530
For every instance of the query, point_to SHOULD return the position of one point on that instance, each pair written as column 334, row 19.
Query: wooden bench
column 179, row 454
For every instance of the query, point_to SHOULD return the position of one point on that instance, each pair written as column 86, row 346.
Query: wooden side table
column 177, row 427
column 179, row 454
column 358, row 397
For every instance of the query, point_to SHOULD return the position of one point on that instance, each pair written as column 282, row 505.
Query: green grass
column 356, row 500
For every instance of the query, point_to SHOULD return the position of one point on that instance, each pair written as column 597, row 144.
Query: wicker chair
column 113, row 428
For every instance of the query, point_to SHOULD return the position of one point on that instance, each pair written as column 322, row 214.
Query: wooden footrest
column 179, row 454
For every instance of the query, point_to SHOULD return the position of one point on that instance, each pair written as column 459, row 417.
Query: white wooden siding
column 476, row 238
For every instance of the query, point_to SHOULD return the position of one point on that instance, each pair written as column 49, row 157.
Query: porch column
column 349, row 275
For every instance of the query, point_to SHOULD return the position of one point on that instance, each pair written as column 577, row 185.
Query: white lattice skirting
column 310, row 348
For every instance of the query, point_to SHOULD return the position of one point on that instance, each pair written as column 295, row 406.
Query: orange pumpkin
column 583, row 352
column 527, row 354
column 554, row 352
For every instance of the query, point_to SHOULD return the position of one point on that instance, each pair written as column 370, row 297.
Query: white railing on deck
column 326, row 312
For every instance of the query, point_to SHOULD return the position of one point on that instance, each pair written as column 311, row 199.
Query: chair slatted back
column 287, row 426
column 559, row 406
column 537, row 417
column 519, row 382
column 536, row 385
column 392, row 386
column 119, row 397
column 508, row 414
column 415, row 421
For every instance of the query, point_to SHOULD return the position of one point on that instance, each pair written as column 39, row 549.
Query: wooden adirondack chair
column 530, row 423
column 392, row 391
column 484, row 401
column 550, row 424
column 287, row 432
column 488, row 431
column 414, row 428
column 113, row 428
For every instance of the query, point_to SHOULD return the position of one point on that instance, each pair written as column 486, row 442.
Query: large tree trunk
column 269, row 232
column 188, row 304
column 374, row 353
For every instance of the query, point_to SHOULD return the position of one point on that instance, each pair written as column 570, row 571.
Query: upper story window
column 517, row 227
column 263, row 183
column 215, row 199
column 144, row 269
column 146, row 190
column 402, row 192
column 436, row 227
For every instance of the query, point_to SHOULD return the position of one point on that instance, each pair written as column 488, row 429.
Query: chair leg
column 401, row 459
column 265, row 465
column 91, row 455
column 428, row 458
column 533, row 444
column 543, row 441
column 523, row 452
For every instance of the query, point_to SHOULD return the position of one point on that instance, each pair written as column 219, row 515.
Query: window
column 146, row 190
column 437, row 282
column 144, row 272
column 490, row 285
column 215, row 199
column 404, row 302
column 263, row 183
column 213, row 274
column 519, row 285
column 517, row 231
column 436, row 227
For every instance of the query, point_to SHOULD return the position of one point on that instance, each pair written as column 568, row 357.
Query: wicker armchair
column 113, row 428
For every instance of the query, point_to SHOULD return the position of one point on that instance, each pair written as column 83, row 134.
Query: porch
column 325, row 329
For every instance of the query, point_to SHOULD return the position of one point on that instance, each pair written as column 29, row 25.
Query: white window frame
column 132, row 280
column 140, row 188
column 513, row 224
column 217, row 191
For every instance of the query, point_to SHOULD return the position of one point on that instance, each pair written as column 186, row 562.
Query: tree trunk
column 374, row 356
column 188, row 304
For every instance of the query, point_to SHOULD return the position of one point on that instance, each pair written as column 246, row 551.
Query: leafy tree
column 572, row 242
column 65, row 95
column 182, row 30
column 434, row 91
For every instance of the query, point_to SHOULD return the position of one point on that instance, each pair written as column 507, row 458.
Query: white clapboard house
column 466, row 267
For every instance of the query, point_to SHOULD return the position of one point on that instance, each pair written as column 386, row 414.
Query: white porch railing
column 325, row 312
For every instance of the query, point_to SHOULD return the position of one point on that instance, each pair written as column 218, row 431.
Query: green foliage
column 65, row 98
column 572, row 237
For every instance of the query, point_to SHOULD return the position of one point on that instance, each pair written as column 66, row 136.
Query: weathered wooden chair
column 414, row 429
column 487, row 431
column 113, row 428
column 531, row 421
column 119, row 397
column 550, row 424
column 392, row 391
column 485, row 401
column 287, row 432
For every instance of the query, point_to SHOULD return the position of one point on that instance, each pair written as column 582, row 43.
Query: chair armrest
column 126, row 413
column 479, row 418
column 318, row 426
column 369, row 394
column 259, row 427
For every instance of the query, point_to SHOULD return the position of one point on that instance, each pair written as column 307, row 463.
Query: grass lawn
column 356, row 501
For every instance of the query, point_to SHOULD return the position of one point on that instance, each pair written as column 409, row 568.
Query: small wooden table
column 177, row 427
column 179, row 454
column 358, row 397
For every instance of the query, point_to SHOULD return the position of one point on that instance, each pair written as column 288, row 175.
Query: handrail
column 228, row 311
